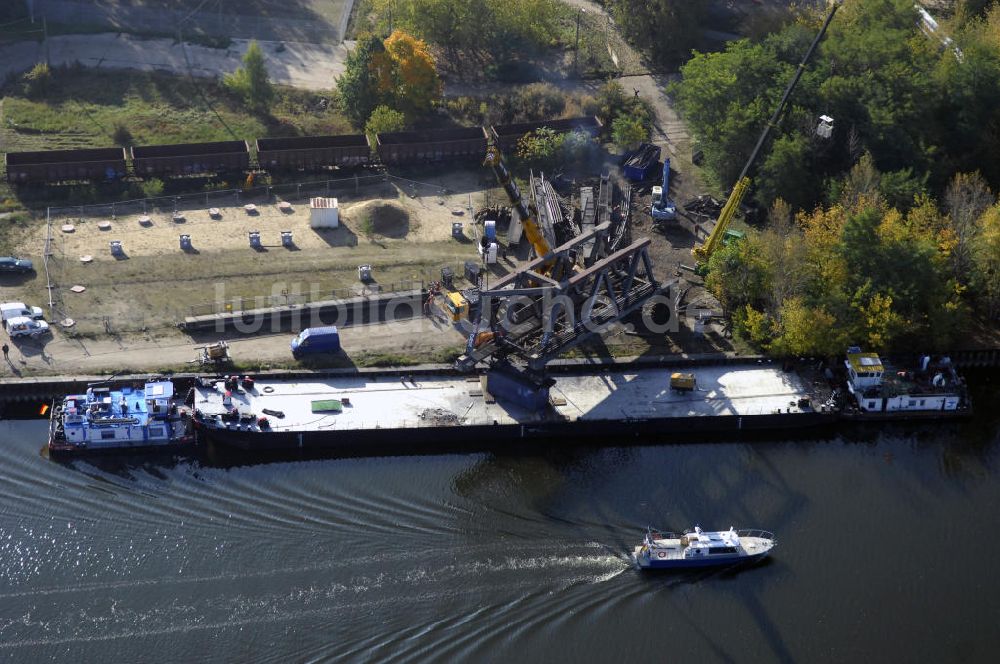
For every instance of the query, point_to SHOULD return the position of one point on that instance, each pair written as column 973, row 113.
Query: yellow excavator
column 705, row 251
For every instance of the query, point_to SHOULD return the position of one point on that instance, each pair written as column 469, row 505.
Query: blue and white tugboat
column 700, row 548
column 108, row 418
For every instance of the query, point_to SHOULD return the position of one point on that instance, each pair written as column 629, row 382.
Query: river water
column 888, row 549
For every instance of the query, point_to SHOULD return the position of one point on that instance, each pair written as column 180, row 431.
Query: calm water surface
column 888, row 550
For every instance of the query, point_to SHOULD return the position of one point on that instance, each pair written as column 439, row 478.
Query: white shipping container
column 324, row 213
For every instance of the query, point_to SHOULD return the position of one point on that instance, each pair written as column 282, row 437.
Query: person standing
column 6, row 352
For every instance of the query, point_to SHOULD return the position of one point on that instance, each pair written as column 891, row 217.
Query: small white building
column 324, row 213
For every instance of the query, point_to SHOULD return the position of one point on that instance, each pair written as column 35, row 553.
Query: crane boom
column 495, row 160
column 704, row 252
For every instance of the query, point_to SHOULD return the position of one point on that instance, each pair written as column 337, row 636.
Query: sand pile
column 388, row 218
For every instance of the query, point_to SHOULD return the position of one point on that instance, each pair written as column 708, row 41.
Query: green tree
column 251, row 81
column 627, row 132
column 358, row 87
column 667, row 29
column 500, row 28
column 787, row 172
column 384, row 120
column 738, row 274
column 987, row 263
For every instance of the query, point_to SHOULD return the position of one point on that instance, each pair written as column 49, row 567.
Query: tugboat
column 699, row 548
column 121, row 418
column 932, row 390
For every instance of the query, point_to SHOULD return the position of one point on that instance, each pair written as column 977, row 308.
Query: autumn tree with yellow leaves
column 398, row 73
column 863, row 272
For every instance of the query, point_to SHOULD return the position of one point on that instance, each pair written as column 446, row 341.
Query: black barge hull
column 468, row 438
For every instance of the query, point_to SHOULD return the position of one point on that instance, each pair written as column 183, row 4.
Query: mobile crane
column 705, row 251
column 538, row 242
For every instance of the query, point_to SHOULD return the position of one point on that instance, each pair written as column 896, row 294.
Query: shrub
column 122, row 136
column 384, row 120
column 36, row 80
column 152, row 188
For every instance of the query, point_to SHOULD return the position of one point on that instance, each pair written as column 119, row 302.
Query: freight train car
column 313, row 153
column 59, row 165
column 431, row 145
column 507, row 136
column 190, row 158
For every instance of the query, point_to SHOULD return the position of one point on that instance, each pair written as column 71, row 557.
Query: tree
column 251, row 81
column 738, row 274
column 415, row 84
column 384, row 120
column 627, row 132
column 358, row 87
column 808, row 330
column 787, row 173
column 986, row 258
column 965, row 201
column 398, row 72
column 668, row 29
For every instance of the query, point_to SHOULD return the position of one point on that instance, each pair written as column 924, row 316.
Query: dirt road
column 421, row 337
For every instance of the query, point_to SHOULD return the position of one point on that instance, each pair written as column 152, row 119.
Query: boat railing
column 653, row 534
column 753, row 532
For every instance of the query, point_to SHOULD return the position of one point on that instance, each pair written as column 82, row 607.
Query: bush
column 541, row 148
column 251, row 81
column 152, row 188
column 543, row 100
column 36, row 80
column 628, row 132
column 122, row 136
column 384, row 120
column 367, row 227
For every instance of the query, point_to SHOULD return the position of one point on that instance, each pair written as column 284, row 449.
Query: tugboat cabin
column 933, row 386
column 105, row 417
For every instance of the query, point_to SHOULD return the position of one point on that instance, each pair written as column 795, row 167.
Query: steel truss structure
column 552, row 305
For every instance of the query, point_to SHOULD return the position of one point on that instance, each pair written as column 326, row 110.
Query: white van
column 10, row 310
column 22, row 326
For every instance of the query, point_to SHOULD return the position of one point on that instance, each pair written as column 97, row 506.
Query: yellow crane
column 495, row 160
column 705, row 251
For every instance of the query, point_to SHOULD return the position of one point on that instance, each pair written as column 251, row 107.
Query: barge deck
column 439, row 411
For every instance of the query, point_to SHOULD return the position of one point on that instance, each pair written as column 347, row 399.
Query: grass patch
column 84, row 107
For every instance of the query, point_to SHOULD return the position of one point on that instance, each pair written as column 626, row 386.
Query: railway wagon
column 313, row 152
column 190, row 158
column 507, row 136
column 404, row 147
column 58, row 165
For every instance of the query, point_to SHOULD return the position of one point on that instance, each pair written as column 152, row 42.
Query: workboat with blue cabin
column 701, row 548
column 106, row 418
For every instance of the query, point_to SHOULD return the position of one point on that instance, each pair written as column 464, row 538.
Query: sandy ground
column 425, row 221
column 157, row 284
column 300, row 65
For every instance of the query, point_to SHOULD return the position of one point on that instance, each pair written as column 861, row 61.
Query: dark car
column 14, row 264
